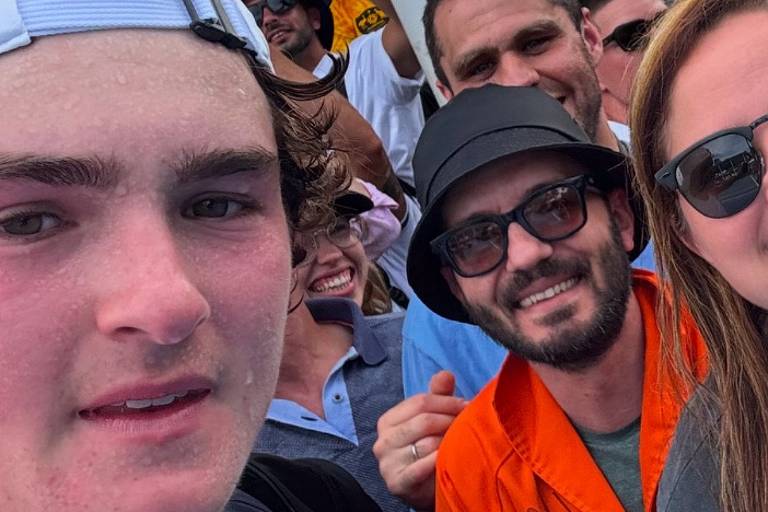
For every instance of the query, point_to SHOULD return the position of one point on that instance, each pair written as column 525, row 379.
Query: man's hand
column 409, row 435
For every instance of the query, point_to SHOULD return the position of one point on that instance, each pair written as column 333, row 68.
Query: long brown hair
column 738, row 356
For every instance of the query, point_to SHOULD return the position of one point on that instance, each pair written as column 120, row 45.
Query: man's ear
column 444, row 89
column 315, row 20
column 453, row 284
column 590, row 34
column 622, row 214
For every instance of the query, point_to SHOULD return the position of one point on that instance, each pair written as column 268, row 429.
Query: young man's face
column 522, row 43
column 560, row 303
column 293, row 30
column 144, row 272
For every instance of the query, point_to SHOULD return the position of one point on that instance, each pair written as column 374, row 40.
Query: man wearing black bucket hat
column 527, row 232
column 383, row 79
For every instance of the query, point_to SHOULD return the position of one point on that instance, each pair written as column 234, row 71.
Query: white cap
column 224, row 21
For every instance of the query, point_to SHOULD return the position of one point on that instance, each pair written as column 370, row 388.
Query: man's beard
column 296, row 45
column 580, row 346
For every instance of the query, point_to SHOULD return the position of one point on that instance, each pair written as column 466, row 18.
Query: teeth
column 340, row 281
column 151, row 402
column 548, row 293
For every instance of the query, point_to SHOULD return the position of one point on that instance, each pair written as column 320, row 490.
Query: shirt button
column 338, row 398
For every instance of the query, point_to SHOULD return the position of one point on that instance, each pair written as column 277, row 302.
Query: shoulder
column 303, row 484
column 476, row 430
column 690, row 479
column 242, row 502
column 388, row 327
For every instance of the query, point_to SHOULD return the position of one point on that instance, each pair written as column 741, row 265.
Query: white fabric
column 389, row 102
column 22, row 20
column 620, row 130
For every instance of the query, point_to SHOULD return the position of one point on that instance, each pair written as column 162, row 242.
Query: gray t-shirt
column 617, row 456
column 690, row 480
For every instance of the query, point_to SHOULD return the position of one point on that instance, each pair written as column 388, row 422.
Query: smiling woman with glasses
column 699, row 139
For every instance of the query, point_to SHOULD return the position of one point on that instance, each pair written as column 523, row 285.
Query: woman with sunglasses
column 340, row 370
column 698, row 137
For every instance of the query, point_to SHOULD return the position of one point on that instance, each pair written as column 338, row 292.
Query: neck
column 608, row 395
column 310, row 352
column 311, row 56
column 604, row 136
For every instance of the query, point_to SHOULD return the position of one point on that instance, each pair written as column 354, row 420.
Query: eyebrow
column 530, row 191
column 199, row 166
column 536, row 28
column 64, row 172
column 99, row 173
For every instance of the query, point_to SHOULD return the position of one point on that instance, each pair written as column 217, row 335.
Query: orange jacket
column 514, row 449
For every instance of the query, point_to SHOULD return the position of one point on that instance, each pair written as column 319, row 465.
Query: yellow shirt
column 352, row 18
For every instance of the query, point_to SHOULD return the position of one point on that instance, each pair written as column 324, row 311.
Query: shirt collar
column 347, row 312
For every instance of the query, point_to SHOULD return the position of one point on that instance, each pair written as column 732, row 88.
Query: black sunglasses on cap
column 276, row 6
column 549, row 214
column 631, row 36
column 721, row 174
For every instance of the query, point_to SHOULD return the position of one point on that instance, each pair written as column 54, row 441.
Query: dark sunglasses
column 276, row 6
column 550, row 214
column 631, row 36
column 721, row 174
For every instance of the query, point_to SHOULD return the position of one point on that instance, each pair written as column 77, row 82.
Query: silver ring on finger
column 415, row 452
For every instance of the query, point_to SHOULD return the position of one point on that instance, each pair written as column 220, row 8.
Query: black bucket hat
column 480, row 126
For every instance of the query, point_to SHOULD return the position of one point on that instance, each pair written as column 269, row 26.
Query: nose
column 149, row 294
column 516, row 71
column 267, row 16
column 524, row 250
column 327, row 252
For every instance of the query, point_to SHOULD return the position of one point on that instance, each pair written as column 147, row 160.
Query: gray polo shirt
column 364, row 383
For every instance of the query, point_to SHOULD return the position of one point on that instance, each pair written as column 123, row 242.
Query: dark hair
column 310, row 173
column 572, row 7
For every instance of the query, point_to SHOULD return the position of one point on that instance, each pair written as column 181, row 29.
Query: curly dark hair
column 311, row 172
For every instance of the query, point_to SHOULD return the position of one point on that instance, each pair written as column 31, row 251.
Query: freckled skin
column 130, row 288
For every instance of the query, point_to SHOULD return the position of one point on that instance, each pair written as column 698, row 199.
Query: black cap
column 352, row 203
column 325, row 32
column 480, row 126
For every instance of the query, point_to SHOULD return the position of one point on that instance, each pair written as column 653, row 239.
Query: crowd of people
column 248, row 265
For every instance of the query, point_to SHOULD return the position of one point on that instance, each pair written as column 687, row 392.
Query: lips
column 143, row 408
column 143, row 401
column 276, row 32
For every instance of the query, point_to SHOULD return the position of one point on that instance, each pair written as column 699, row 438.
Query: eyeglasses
column 550, row 214
column 721, row 174
column 631, row 36
column 342, row 233
column 276, row 6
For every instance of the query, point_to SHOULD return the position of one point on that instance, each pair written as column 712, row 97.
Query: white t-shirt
column 389, row 102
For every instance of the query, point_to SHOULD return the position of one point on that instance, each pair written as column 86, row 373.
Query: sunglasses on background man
column 632, row 36
column 721, row 174
column 276, row 6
